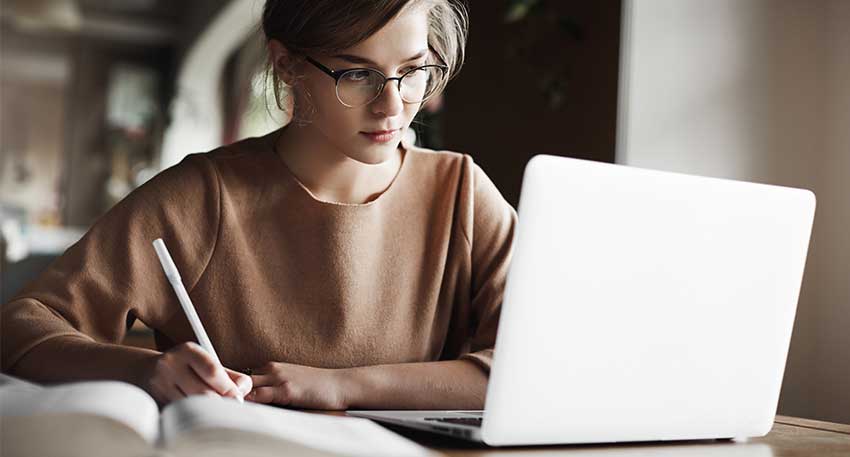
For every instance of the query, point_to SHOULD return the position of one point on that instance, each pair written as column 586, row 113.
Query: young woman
column 332, row 265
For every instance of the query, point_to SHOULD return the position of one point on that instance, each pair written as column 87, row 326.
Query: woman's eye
column 357, row 75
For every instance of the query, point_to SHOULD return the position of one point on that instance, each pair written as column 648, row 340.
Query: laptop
column 640, row 305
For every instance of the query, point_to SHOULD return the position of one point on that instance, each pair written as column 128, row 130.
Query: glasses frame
column 338, row 74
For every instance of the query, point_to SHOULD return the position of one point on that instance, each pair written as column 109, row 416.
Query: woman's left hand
column 298, row 386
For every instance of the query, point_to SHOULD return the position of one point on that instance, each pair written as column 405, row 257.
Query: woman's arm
column 451, row 384
column 185, row 369
column 68, row 358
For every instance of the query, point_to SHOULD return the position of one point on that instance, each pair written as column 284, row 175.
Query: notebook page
column 6, row 380
column 341, row 435
column 120, row 401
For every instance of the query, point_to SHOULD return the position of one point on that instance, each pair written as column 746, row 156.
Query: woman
column 335, row 265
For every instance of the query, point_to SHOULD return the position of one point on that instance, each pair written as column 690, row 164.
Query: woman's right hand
column 187, row 369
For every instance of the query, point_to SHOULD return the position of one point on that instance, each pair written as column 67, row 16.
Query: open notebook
column 119, row 419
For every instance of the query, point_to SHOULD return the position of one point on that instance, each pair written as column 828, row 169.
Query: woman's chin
column 373, row 156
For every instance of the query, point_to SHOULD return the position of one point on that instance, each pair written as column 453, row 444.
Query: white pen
column 185, row 302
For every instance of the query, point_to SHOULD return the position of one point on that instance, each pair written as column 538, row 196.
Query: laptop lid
column 645, row 305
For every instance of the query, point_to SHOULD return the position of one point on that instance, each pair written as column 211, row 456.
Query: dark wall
column 495, row 110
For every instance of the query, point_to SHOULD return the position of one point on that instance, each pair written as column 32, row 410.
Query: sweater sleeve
column 112, row 276
column 493, row 224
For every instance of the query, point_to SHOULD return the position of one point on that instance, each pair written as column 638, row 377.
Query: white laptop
column 640, row 305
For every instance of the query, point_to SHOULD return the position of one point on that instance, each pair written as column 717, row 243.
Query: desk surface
column 790, row 437
column 99, row 436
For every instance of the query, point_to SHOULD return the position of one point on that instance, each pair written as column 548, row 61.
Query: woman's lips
column 381, row 136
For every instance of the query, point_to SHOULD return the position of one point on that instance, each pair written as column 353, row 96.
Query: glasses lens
column 420, row 83
column 359, row 87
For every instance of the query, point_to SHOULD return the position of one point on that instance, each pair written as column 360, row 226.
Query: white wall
column 196, row 112
column 757, row 90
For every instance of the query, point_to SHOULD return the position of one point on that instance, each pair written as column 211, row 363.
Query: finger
column 164, row 381
column 267, row 394
column 190, row 384
column 260, row 380
column 211, row 372
column 182, row 394
column 268, row 367
column 171, row 393
column 242, row 381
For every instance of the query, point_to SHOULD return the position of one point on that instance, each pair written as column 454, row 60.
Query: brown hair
column 317, row 27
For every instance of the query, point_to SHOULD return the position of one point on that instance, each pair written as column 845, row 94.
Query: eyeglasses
column 360, row 86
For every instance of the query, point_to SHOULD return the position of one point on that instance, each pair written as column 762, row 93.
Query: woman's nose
column 389, row 103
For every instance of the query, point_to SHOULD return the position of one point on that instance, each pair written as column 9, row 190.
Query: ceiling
column 143, row 21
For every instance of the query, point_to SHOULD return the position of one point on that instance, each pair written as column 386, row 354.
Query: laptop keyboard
column 470, row 421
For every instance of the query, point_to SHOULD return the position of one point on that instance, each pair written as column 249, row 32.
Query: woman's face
column 399, row 46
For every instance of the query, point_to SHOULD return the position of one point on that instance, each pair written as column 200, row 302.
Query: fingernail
column 236, row 395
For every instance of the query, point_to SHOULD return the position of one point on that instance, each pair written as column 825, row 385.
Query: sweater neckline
column 272, row 142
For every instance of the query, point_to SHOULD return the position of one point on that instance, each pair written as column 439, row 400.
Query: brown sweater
column 277, row 275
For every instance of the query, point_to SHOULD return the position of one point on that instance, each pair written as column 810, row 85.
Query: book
column 110, row 418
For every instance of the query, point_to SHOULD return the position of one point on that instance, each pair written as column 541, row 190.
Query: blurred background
column 97, row 96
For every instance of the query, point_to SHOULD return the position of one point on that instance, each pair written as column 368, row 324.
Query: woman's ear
column 282, row 60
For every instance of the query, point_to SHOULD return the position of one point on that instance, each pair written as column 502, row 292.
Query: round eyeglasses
column 360, row 86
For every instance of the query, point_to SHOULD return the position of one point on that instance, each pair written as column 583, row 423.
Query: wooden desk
column 790, row 437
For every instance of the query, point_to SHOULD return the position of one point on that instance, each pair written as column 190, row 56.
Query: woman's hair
column 317, row 27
